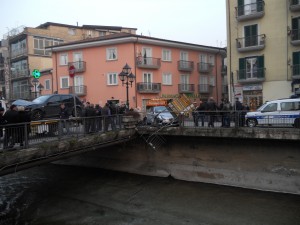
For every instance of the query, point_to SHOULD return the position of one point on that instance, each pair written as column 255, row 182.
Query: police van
column 282, row 112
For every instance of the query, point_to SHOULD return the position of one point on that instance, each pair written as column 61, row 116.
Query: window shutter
column 260, row 60
column 242, row 69
column 240, row 8
column 242, row 64
column 240, row 2
column 296, row 58
column 295, row 23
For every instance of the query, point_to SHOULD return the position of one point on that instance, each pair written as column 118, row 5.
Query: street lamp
column 35, row 82
column 126, row 76
column 30, row 86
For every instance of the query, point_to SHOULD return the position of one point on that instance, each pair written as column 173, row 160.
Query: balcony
column 204, row 67
column 186, row 88
column 296, row 71
column 224, row 70
column 295, row 37
column 225, row 89
column 148, row 87
column 251, row 43
column 17, row 74
column 148, row 62
column 19, row 52
column 80, row 90
column 295, row 5
column 250, row 11
column 251, row 76
column 80, row 66
column 185, row 65
column 204, row 88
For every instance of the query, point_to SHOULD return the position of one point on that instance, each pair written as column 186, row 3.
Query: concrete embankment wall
column 271, row 165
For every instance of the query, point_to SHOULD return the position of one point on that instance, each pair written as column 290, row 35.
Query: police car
column 280, row 112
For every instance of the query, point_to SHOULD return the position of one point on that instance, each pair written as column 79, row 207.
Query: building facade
column 263, row 51
column 26, row 52
column 162, row 69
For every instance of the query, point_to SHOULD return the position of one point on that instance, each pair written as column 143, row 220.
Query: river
column 66, row 195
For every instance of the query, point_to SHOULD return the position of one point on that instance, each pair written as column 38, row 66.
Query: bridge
column 265, row 158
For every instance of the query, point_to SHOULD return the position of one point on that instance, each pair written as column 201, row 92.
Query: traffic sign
column 36, row 73
column 72, row 71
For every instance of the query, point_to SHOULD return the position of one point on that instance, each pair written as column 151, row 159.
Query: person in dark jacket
column 2, row 121
column 201, row 112
column 106, row 116
column 98, row 109
column 212, row 111
column 64, row 116
column 12, row 118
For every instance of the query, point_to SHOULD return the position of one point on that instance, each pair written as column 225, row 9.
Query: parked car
column 160, row 115
column 48, row 106
column 278, row 112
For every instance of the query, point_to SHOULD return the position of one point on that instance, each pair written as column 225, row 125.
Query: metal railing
column 296, row 70
column 15, row 74
column 185, row 65
column 80, row 66
column 295, row 34
column 253, row 75
column 144, row 87
column 25, row 135
column 204, row 88
column 80, row 90
column 204, row 67
column 148, row 62
column 251, row 41
column 186, row 88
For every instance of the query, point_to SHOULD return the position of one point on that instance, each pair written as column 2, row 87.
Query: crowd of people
column 210, row 110
column 16, row 121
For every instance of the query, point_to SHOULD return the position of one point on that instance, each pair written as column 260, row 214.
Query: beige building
column 26, row 52
column 263, row 51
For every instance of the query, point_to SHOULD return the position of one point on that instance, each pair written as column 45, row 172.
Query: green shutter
column 240, row 7
column 254, row 30
column 261, row 67
column 240, row 2
column 242, row 69
column 296, row 58
column 295, row 23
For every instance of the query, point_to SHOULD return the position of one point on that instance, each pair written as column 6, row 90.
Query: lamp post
column 30, row 86
column 40, row 88
column 35, row 82
column 127, row 77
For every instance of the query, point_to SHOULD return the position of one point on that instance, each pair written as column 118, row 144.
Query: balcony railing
column 295, row 37
column 204, row 67
column 144, row 87
column 16, row 74
column 251, row 43
column 204, row 88
column 251, row 76
column 148, row 62
column 80, row 90
column 295, row 5
column 250, row 11
column 18, row 52
column 186, row 88
column 80, row 66
column 296, row 71
column 185, row 65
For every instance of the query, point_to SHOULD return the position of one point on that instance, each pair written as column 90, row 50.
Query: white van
column 282, row 112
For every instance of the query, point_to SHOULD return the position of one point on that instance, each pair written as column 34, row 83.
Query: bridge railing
column 24, row 135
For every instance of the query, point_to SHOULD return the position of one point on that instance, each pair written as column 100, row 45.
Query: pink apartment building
column 162, row 69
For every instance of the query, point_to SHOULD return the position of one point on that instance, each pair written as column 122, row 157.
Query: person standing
column 64, row 116
column 2, row 121
column 201, row 112
column 226, row 113
column 98, row 109
column 195, row 114
column 212, row 110
column 238, row 106
column 11, row 116
column 106, row 116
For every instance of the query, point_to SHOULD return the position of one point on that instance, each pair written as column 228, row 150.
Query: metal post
column 127, row 95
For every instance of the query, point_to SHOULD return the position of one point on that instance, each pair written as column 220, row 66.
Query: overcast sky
column 193, row 21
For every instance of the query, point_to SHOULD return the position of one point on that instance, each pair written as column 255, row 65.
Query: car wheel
column 251, row 122
column 37, row 115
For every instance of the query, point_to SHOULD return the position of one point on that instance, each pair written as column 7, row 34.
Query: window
column 272, row 107
column 212, row 81
column 72, row 31
column 167, row 79
column 112, row 79
column 102, row 33
column 251, row 68
column 111, row 53
column 63, row 59
column 47, row 85
column 166, row 55
column 211, row 60
column 39, row 44
column 296, row 63
column 64, row 82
